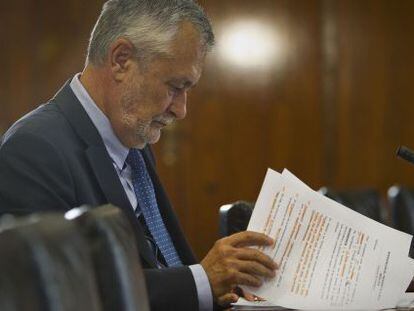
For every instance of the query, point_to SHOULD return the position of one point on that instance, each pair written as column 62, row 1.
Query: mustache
column 167, row 120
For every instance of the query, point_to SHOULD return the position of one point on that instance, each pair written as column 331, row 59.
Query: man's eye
column 175, row 89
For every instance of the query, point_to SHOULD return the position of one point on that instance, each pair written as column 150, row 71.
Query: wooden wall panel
column 333, row 109
column 375, row 96
column 44, row 45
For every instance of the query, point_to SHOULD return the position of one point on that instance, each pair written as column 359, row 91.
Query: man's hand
column 230, row 263
column 234, row 296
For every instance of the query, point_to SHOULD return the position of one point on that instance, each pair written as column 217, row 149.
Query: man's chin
column 154, row 138
column 142, row 141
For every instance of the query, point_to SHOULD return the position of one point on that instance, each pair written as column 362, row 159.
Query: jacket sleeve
column 33, row 181
column 171, row 289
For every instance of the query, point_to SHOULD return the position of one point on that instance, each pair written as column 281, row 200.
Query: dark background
column 332, row 108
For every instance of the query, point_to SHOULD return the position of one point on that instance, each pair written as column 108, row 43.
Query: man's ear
column 121, row 56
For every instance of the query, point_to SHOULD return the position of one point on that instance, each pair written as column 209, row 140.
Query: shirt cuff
column 205, row 296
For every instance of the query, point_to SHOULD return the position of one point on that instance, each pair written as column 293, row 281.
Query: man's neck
column 94, row 85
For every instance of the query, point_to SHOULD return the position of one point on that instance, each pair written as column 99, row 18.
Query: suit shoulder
column 46, row 121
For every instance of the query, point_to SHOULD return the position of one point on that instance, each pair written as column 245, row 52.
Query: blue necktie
column 147, row 204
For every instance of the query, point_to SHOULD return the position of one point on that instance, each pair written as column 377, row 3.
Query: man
column 89, row 145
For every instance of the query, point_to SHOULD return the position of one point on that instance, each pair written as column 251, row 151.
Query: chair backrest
column 234, row 217
column 20, row 286
column 116, row 259
column 45, row 265
column 367, row 202
column 401, row 201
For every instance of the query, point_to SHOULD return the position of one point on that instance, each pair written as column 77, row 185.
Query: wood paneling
column 44, row 44
column 333, row 109
column 375, row 96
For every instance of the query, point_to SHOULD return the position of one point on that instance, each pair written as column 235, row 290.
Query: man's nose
column 179, row 105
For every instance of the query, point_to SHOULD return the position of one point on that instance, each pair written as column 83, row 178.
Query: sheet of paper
column 330, row 257
column 406, row 301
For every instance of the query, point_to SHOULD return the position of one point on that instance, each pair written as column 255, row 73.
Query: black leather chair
column 116, row 260
column 401, row 201
column 234, row 217
column 367, row 202
column 45, row 265
column 20, row 286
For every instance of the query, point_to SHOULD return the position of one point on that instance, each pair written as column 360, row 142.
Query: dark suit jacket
column 54, row 159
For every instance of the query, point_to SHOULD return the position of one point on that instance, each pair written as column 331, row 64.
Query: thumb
column 227, row 299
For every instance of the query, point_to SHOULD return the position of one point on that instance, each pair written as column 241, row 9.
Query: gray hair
column 149, row 24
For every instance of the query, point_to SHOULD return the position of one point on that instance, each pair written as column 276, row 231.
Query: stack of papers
column 243, row 304
column 405, row 303
column 330, row 257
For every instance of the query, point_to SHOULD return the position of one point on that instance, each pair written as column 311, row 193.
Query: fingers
column 247, row 279
column 249, row 297
column 227, row 299
column 254, row 268
column 230, row 262
column 255, row 255
column 249, row 238
column 246, row 295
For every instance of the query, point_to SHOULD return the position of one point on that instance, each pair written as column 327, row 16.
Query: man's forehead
column 177, row 68
column 188, row 43
column 183, row 74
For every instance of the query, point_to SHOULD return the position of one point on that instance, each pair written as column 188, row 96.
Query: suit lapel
column 101, row 163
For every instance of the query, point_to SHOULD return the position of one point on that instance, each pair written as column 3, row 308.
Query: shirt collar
column 117, row 151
